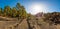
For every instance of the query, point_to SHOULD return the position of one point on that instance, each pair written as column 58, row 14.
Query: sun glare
column 35, row 8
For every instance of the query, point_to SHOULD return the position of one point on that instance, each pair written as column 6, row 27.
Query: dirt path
column 23, row 25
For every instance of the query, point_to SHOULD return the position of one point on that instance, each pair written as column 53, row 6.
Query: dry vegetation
column 18, row 18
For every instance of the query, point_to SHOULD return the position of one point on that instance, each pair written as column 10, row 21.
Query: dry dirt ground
column 24, row 25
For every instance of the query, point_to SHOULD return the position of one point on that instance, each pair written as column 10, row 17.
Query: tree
column 0, row 11
column 24, row 13
column 18, row 11
column 7, row 10
column 18, row 6
column 21, row 10
column 14, row 12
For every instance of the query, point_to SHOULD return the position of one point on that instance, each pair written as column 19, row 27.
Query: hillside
column 31, row 22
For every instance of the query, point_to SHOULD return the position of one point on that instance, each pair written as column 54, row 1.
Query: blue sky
column 51, row 5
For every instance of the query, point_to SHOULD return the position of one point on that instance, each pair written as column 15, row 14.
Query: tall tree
column 22, row 11
column 18, row 6
column 14, row 12
column 7, row 10
column 0, row 11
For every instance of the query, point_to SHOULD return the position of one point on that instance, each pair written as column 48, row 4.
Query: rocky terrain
column 29, row 23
